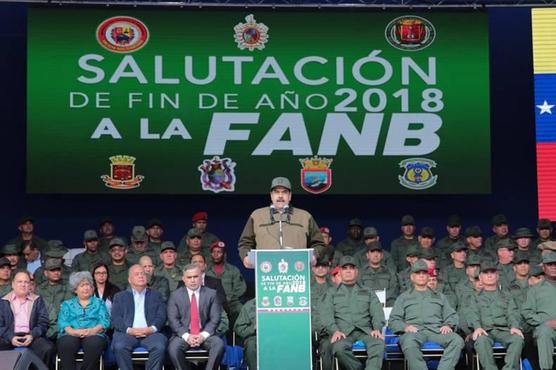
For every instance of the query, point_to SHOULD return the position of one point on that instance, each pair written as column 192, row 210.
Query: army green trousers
column 342, row 349
column 513, row 343
column 411, row 347
column 250, row 352
column 546, row 340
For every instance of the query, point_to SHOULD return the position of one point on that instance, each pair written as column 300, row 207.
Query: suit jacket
column 123, row 310
column 216, row 284
column 38, row 320
column 179, row 311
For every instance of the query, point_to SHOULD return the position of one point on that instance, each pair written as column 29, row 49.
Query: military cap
column 10, row 249
column 521, row 256
column 25, row 219
column 547, row 245
column 472, row 260
column 324, row 230
column 458, row 246
column 408, row 220
column 217, row 244
column 154, row 222
column 5, row 262
column 52, row 264
column 374, row 246
column 280, row 181
column 167, row 245
column 56, row 249
column 549, row 257
column 427, row 232
column 420, row 265
column 522, row 232
column 488, row 266
column 505, row 243
column 117, row 242
column 335, row 271
column 536, row 270
column 474, row 231
column 355, row 222
column 347, row 260
column 453, row 220
column 413, row 250
column 106, row 220
column 138, row 234
column 322, row 262
column 544, row 223
column 194, row 232
column 370, row 232
column 499, row 219
column 200, row 216
column 90, row 235
column 428, row 253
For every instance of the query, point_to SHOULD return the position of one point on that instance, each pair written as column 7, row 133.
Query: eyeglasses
column 101, row 273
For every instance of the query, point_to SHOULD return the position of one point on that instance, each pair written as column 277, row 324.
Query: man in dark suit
column 138, row 315
column 194, row 313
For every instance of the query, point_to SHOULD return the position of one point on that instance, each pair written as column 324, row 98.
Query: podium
column 283, row 309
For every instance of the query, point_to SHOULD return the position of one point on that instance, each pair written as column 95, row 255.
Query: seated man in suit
column 193, row 314
column 138, row 315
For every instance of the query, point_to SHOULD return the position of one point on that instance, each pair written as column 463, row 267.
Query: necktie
column 195, row 329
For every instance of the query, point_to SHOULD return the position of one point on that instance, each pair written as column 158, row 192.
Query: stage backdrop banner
column 220, row 101
column 282, row 281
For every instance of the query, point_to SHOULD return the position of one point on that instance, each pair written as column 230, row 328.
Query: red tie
column 195, row 329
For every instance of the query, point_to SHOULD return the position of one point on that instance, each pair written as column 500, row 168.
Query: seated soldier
column 376, row 276
column 5, row 276
column 158, row 283
column 246, row 328
column 91, row 256
column 420, row 315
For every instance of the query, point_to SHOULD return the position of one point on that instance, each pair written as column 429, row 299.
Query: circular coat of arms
column 251, row 35
column 122, row 34
column 410, row 33
column 266, row 267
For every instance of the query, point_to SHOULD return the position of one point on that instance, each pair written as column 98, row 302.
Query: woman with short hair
column 82, row 322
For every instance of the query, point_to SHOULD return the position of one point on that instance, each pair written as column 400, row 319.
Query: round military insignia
column 410, row 33
column 122, row 34
column 417, row 173
column 302, row 301
column 251, row 35
column 217, row 174
column 266, row 267
column 278, row 301
column 266, row 301
column 299, row 266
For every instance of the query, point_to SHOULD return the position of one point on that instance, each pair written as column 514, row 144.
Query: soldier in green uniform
column 354, row 241
column 91, row 256
column 505, row 257
column 168, row 267
column 376, row 276
column 455, row 271
column 474, row 240
column 500, row 230
column 421, row 314
column 426, row 237
column 53, row 291
column 13, row 253
column 536, row 275
column 320, row 283
column 544, row 231
column 107, row 229
column 523, row 239
column 467, row 286
column 246, row 328
column 444, row 245
column 539, row 311
column 399, row 246
column 520, row 284
column 232, row 281
column 26, row 227
column 55, row 250
column 494, row 316
column 329, row 252
column 154, row 282
column 193, row 246
column 155, row 231
column 5, row 276
column 412, row 254
column 139, row 246
column 199, row 221
column 352, row 312
column 370, row 235
column 118, row 266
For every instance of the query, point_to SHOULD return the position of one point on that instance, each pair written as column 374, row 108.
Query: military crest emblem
column 251, row 35
column 282, row 266
column 410, row 33
column 266, row 267
column 122, row 34
column 122, row 173
column 299, row 266
column 289, row 300
column 302, row 301
column 418, row 173
column 316, row 175
column 266, row 301
column 278, row 301
column 218, row 174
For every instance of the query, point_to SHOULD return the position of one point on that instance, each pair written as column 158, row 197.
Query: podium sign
column 283, row 309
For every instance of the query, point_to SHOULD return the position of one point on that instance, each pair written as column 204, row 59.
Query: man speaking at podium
column 280, row 226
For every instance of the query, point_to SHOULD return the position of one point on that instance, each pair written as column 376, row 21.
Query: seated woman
column 104, row 289
column 82, row 323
